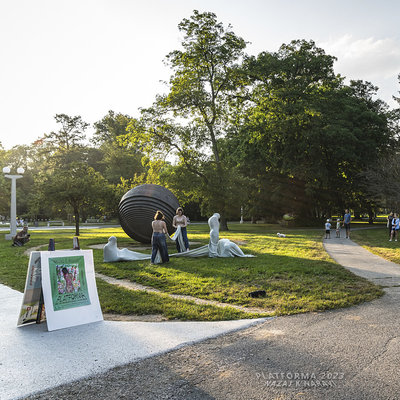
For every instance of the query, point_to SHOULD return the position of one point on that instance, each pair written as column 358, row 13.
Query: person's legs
column 154, row 247
column 163, row 249
column 185, row 238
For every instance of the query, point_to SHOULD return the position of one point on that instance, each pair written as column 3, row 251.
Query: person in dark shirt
column 21, row 237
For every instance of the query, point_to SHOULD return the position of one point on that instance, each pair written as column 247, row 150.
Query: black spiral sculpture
column 138, row 207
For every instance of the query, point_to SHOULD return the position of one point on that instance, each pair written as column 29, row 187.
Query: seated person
column 21, row 237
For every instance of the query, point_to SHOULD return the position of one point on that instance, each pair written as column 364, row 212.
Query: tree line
column 275, row 133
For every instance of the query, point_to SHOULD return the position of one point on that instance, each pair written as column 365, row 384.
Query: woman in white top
column 180, row 220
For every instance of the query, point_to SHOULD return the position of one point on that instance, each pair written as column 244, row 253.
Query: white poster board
column 69, row 288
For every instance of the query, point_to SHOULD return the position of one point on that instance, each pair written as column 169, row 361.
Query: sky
column 86, row 57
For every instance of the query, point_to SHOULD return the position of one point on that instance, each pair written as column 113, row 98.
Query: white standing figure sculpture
column 213, row 223
column 221, row 247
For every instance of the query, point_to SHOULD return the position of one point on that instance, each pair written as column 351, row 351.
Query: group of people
column 393, row 223
column 159, row 241
column 346, row 224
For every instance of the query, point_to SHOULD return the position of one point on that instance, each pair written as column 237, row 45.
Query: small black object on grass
column 258, row 293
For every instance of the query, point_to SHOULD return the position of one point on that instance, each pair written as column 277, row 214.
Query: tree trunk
column 223, row 224
column 76, row 212
column 370, row 216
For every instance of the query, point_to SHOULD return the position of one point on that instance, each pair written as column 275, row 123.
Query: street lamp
column 13, row 212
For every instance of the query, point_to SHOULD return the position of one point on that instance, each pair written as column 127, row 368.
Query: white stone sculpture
column 222, row 247
column 216, row 248
column 112, row 253
column 213, row 223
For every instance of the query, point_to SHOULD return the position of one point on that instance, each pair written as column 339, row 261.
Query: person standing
column 389, row 223
column 395, row 228
column 346, row 223
column 328, row 229
column 181, row 220
column 338, row 228
column 158, row 240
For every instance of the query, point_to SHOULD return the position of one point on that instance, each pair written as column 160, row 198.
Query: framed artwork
column 66, row 280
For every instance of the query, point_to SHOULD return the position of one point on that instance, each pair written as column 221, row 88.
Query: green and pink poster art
column 69, row 288
column 68, row 282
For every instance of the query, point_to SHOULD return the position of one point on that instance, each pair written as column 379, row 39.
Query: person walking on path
column 395, row 228
column 346, row 222
column 158, row 241
column 389, row 223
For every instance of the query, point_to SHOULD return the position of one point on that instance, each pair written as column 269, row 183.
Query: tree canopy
column 278, row 132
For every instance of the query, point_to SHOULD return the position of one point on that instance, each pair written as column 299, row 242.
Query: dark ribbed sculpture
column 138, row 207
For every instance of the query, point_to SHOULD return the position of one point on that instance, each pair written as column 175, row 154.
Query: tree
column 118, row 160
column 78, row 186
column 70, row 135
column 204, row 77
column 313, row 133
column 65, row 179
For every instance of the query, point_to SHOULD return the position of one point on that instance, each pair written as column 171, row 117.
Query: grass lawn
column 377, row 242
column 295, row 271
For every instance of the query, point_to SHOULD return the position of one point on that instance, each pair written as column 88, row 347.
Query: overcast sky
column 86, row 57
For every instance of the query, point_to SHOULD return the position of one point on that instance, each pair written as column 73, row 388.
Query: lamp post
column 13, row 212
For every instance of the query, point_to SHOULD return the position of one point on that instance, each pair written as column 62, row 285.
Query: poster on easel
column 68, row 285
column 31, row 302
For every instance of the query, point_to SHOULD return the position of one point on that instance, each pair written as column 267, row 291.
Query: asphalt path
column 351, row 353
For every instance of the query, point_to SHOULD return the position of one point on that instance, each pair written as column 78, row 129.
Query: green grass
column 377, row 242
column 295, row 271
column 117, row 300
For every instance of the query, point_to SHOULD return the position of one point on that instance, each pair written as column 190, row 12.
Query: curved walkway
column 362, row 262
column 343, row 354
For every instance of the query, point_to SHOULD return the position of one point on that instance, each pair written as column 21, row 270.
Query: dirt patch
column 130, row 318
column 28, row 252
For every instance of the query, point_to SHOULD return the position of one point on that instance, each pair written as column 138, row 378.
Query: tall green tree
column 118, row 159
column 66, row 180
column 312, row 133
column 205, row 75
column 77, row 186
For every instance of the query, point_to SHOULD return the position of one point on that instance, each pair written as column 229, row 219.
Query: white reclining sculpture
column 216, row 247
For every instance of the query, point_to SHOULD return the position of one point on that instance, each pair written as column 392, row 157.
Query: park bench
column 55, row 222
column 92, row 220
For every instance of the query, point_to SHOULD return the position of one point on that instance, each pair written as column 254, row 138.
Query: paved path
column 350, row 354
column 33, row 359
